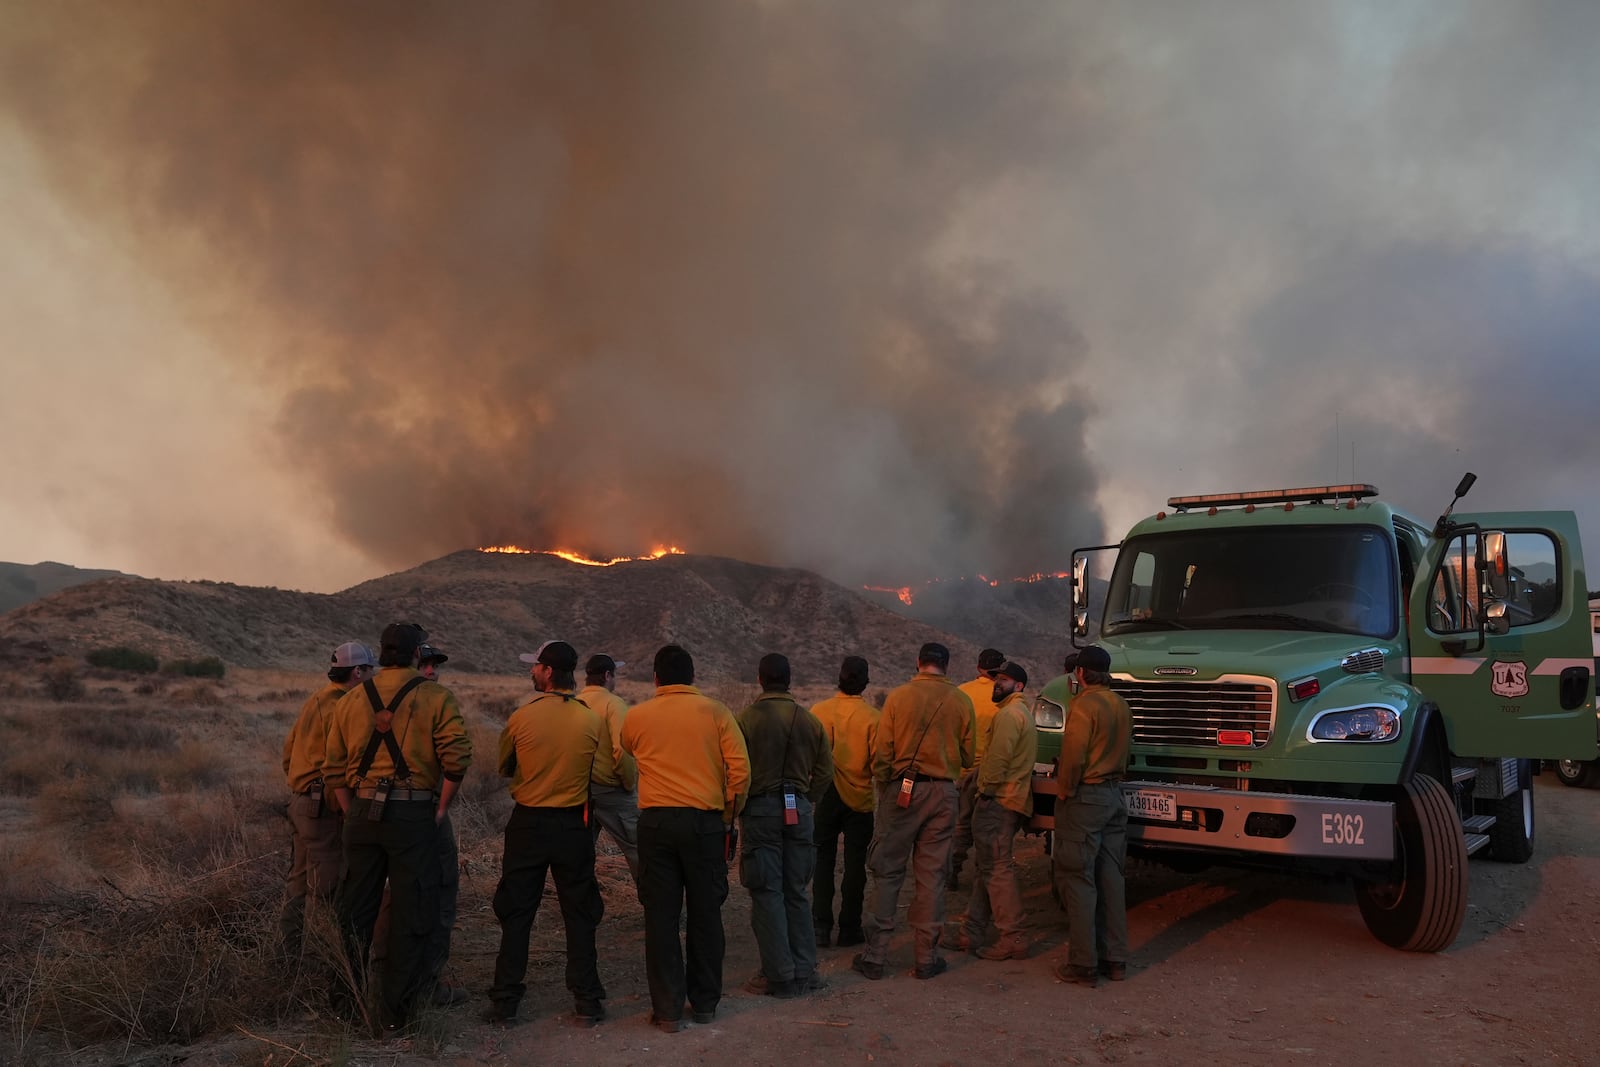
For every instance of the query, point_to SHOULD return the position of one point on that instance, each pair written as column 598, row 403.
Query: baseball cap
column 427, row 653
column 1015, row 671
column 600, row 663
column 991, row 659
column 557, row 655
column 1090, row 658
column 353, row 654
column 403, row 637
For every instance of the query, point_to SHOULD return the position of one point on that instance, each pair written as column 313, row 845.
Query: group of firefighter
column 683, row 784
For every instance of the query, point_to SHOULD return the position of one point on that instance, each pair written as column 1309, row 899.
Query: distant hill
column 484, row 608
column 21, row 583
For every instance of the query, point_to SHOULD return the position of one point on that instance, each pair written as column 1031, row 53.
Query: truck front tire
column 1419, row 907
column 1581, row 773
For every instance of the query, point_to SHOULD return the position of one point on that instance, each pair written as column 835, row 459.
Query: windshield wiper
column 1272, row 620
column 1132, row 625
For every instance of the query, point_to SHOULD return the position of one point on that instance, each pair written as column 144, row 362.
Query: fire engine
column 1321, row 682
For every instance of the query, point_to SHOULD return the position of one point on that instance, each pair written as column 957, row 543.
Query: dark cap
column 1014, row 670
column 773, row 671
column 600, row 663
column 557, row 655
column 935, row 653
column 991, row 659
column 429, row 654
column 1091, row 658
column 403, row 637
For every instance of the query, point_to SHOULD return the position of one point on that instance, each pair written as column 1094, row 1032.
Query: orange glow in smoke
column 903, row 592
column 577, row 557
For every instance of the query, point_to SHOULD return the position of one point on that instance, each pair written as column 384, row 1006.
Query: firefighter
column 614, row 806
column 1091, row 839
column 925, row 742
column 551, row 748
column 980, row 691
column 694, row 771
column 397, row 752
column 846, row 805
column 1004, row 805
column 790, row 767
column 314, row 812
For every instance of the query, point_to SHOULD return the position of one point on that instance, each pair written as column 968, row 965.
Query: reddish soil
column 1228, row 967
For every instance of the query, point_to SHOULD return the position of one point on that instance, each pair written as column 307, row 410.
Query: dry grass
column 143, row 843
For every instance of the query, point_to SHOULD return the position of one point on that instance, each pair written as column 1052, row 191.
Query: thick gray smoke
column 603, row 275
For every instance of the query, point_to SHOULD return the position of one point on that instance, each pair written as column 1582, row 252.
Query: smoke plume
column 601, row 275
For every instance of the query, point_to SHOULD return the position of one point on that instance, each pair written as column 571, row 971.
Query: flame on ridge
column 577, row 557
column 908, row 593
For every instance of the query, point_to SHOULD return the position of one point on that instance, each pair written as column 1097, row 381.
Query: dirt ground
column 1227, row 967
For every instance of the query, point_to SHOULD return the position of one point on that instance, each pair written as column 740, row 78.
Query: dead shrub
column 61, row 681
column 196, row 696
column 74, row 803
column 120, row 733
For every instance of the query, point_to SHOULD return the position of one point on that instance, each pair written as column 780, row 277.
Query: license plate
column 1148, row 804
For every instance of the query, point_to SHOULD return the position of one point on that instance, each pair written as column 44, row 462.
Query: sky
column 298, row 294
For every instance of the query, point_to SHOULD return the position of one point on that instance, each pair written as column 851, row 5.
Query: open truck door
column 1500, row 636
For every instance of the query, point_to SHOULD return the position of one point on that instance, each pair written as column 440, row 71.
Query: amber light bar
column 1309, row 494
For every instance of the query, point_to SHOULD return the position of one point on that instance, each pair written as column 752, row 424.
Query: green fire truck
column 1321, row 682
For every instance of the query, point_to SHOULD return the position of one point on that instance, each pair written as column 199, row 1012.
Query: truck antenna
column 1442, row 527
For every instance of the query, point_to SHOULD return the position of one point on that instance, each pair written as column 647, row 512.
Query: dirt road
column 1228, row 967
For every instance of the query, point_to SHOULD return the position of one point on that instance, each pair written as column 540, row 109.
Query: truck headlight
column 1357, row 724
column 1048, row 714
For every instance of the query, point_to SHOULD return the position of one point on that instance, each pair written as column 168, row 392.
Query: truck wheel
column 1511, row 837
column 1419, row 907
column 1578, row 772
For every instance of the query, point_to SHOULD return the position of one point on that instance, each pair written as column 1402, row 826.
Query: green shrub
column 123, row 658
column 206, row 667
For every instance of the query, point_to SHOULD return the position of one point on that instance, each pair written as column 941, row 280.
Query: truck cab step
column 1477, row 824
column 1463, row 774
column 1476, row 842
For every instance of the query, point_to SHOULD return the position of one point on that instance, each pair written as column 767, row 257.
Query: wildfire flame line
column 908, row 593
column 577, row 557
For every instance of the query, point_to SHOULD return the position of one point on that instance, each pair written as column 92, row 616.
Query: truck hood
column 1280, row 654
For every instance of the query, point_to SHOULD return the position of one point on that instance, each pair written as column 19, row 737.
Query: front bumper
column 1227, row 820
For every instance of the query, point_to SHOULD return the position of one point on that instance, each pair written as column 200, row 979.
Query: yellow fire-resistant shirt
column 851, row 725
column 307, row 743
column 981, row 692
column 1006, row 772
column 1095, row 741
column 689, row 751
column 427, row 726
column 613, row 709
column 550, row 748
column 932, row 708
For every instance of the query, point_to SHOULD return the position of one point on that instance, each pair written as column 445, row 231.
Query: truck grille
column 1192, row 713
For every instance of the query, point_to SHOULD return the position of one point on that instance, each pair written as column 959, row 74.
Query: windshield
column 1339, row 579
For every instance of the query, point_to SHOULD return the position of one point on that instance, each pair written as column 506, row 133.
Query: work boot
column 933, row 969
column 500, row 1013
column 811, row 983
column 1004, row 950
column 783, row 990
column 666, row 1026
column 588, row 1013
column 1117, row 972
column 1084, row 976
column 758, row 985
column 866, row 968
column 446, row 995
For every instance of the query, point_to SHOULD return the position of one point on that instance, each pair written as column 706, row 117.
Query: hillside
column 484, row 608
column 23, row 583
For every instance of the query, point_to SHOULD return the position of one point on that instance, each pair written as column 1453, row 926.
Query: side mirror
column 1494, row 618
column 1080, row 586
column 1496, row 567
